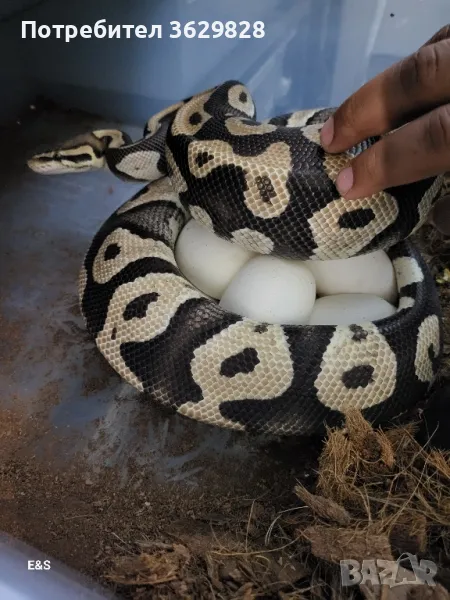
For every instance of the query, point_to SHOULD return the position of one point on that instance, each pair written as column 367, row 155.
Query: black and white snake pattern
column 267, row 186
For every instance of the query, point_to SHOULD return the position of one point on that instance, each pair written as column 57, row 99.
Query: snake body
column 267, row 186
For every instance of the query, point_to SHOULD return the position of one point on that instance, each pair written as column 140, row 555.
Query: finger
column 408, row 89
column 440, row 35
column 419, row 150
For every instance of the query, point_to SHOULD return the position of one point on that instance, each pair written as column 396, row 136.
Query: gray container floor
column 86, row 462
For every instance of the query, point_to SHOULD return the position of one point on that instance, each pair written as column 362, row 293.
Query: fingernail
column 327, row 133
column 344, row 181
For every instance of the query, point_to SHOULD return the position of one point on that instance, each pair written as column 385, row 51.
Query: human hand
column 411, row 97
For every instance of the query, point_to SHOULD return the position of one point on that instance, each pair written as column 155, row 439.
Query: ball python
column 270, row 187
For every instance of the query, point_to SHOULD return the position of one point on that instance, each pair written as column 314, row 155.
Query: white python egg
column 347, row 309
column 208, row 261
column 368, row 274
column 272, row 290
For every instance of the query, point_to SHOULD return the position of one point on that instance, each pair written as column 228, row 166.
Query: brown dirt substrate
column 378, row 495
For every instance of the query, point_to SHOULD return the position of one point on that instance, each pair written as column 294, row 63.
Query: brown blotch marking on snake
column 261, row 328
column 45, row 159
column 77, row 158
column 195, row 118
column 203, row 158
column 358, row 333
column 138, row 307
column 359, row 376
column 355, row 219
column 242, row 362
column 112, row 251
column 265, row 188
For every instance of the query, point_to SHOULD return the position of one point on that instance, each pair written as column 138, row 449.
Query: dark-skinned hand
column 411, row 99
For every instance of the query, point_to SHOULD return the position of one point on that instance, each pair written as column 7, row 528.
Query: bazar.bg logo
column 386, row 572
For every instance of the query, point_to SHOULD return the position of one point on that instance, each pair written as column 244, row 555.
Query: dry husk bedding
column 375, row 494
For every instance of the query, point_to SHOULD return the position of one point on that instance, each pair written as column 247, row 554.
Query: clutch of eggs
column 283, row 291
column 208, row 261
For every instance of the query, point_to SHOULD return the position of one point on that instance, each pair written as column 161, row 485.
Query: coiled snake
column 268, row 186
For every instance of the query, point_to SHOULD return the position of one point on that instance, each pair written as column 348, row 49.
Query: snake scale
column 268, row 186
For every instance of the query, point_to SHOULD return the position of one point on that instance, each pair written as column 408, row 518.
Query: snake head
column 85, row 152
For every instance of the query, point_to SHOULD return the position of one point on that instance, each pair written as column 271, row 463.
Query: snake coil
column 267, row 186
